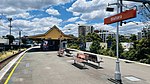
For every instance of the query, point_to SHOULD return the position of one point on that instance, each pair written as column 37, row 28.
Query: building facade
column 105, row 33
column 144, row 33
column 84, row 30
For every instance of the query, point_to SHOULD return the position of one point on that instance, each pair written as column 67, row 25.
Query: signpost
column 117, row 18
column 121, row 16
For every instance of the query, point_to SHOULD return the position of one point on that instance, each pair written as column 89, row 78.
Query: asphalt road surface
column 39, row 67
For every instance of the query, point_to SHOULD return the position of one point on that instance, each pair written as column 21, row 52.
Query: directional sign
column 121, row 16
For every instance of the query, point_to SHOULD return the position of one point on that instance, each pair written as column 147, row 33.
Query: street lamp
column 10, row 19
column 117, row 68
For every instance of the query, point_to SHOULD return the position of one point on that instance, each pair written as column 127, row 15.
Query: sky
column 34, row 17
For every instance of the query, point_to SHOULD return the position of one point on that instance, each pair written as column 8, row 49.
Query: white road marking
column 4, row 70
column 132, row 78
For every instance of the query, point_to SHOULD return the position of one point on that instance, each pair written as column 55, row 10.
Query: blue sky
column 37, row 16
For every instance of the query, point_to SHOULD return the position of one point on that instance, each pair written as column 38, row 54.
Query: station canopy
column 53, row 33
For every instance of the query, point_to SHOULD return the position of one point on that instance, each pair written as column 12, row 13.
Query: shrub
column 95, row 47
column 74, row 46
column 111, row 53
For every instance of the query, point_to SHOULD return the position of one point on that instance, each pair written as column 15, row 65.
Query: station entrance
column 52, row 40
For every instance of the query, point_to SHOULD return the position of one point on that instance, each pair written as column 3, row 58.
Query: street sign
column 120, row 16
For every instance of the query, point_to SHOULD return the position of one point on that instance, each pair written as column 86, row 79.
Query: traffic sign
column 120, row 16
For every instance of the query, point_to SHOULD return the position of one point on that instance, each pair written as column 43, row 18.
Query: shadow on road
column 79, row 66
column 93, row 65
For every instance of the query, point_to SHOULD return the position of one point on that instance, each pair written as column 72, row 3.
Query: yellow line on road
column 11, row 73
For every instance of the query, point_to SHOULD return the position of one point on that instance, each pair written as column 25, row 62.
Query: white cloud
column 10, row 10
column 81, row 22
column 89, row 10
column 16, row 6
column 93, row 15
column 129, row 28
column 35, row 26
column 83, row 6
column 76, row 13
column 52, row 11
column 4, row 29
column 73, row 19
column 71, row 29
column 94, row 9
column 24, row 15
column 101, row 26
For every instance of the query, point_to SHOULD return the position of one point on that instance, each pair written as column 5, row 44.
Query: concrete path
column 48, row 68
column 4, row 70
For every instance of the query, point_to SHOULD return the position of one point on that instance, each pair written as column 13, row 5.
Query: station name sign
column 121, row 16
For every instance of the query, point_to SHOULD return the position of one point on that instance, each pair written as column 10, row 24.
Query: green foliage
column 95, row 46
column 113, row 48
column 81, row 39
column 74, row 42
column 130, row 55
column 24, row 40
column 93, row 37
column 111, row 53
column 73, row 46
column 123, row 39
column 109, row 38
column 133, row 38
column 106, row 52
column 139, row 53
column 11, row 38
column 102, row 51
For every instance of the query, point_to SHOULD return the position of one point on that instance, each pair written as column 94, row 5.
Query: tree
column 95, row 47
column 123, row 38
column 143, row 48
column 82, row 42
column 139, row 53
column 24, row 40
column 73, row 43
column 113, row 47
column 93, row 37
column 109, row 41
column 11, row 38
column 133, row 38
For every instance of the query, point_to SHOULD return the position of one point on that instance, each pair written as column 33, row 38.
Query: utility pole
column 10, row 19
column 19, row 40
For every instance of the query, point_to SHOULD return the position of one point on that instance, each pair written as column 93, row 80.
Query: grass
column 8, row 53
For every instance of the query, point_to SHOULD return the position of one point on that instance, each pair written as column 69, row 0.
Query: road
column 39, row 67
